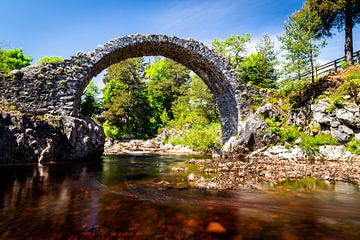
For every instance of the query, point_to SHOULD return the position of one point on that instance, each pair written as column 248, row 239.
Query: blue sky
column 61, row 28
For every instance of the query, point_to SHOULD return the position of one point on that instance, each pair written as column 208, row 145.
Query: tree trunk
column 312, row 65
column 348, row 32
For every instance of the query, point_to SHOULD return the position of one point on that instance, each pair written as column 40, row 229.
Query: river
column 123, row 198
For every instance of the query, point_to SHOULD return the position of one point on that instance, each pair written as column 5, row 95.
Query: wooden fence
column 331, row 67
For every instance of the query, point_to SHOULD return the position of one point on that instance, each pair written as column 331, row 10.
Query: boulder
column 322, row 118
column 39, row 139
column 299, row 117
column 335, row 152
column 253, row 135
column 267, row 111
column 349, row 116
column 357, row 136
column 320, row 107
column 342, row 133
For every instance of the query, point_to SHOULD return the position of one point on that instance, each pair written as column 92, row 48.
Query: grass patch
column 290, row 133
column 354, row 146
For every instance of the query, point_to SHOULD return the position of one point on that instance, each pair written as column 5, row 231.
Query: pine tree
column 341, row 14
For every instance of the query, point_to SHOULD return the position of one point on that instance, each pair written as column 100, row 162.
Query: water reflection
column 118, row 199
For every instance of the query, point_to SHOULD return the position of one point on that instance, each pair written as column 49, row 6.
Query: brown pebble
column 215, row 227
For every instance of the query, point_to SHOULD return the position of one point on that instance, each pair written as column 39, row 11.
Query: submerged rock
column 215, row 227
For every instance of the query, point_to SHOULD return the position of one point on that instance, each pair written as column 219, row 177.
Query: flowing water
column 124, row 198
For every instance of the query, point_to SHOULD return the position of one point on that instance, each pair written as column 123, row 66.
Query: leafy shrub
column 353, row 80
column 354, row 146
column 288, row 87
column 53, row 59
column 289, row 134
column 201, row 138
column 337, row 103
column 13, row 59
column 313, row 143
column 112, row 132
column 344, row 64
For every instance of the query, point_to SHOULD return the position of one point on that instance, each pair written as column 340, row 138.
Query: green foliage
column 341, row 14
column 344, row 64
column 310, row 143
column 166, row 81
column 353, row 75
column 52, row 59
column 353, row 146
column 289, row 134
column 288, row 87
column 13, row 59
column 352, row 79
column 126, row 107
column 336, row 103
column 300, row 42
column 233, row 48
column 164, row 118
column 111, row 131
column 168, row 97
column 196, row 115
column 201, row 138
column 91, row 105
column 255, row 70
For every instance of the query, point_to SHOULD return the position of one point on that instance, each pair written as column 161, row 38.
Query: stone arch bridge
column 56, row 88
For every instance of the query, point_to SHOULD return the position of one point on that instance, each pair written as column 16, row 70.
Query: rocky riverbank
column 151, row 146
column 26, row 138
column 251, row 172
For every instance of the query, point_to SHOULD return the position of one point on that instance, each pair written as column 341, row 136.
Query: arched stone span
column 56, row 88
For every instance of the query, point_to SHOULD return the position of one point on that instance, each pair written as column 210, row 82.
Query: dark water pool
column 120, row 198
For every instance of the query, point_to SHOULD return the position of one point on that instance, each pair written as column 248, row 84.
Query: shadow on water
column 120, row 199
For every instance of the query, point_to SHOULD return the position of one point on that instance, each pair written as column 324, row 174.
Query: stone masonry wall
column 56, row 88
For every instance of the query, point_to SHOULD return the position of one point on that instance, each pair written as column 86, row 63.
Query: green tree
column 300, row 42
column 198, row 100
column 51, row 59
column 13, row 59
column 90, row 102
column 196, row 116
column 341, row 14
column 166, row 81
column 260, row 68
column 127, row 109
column 233, row 48
column 256, row 70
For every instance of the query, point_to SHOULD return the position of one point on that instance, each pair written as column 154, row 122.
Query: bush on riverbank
column 291, row 135
column 203, row 138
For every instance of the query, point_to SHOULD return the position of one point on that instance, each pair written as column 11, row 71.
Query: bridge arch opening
column 209, row 66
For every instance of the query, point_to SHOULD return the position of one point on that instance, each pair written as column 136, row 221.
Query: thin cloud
column 189, row 18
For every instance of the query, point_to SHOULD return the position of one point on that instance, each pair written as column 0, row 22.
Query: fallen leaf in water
column 191, row 223
column 215, row 227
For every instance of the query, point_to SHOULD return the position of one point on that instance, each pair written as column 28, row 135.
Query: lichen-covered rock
column 335, row 153
column 253, row 134
column 300, row 117
column 342, row 133
column 349, row 116
column 30, row 138
column 267, row 111
column 342, row 123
